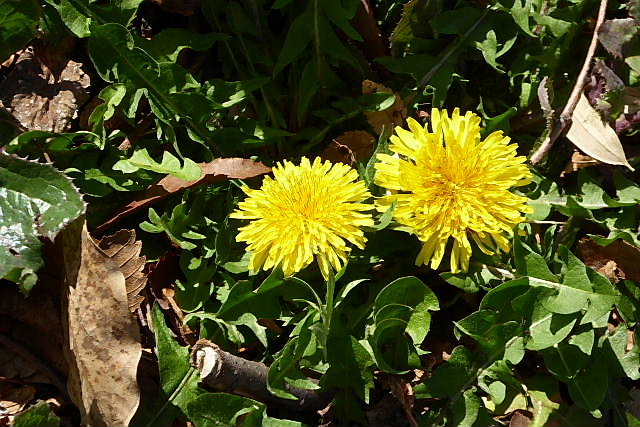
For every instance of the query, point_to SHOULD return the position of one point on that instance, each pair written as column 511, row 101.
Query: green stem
column 328, row 310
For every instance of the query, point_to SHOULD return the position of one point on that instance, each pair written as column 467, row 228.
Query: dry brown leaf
column 216, row 171
column 350, row 148
column 520, row 418
column 624, row 256
column 31, row 336
column 403, row 392
column 123, row 248
column 104, row 340
column 44, row 92
column 594, row 137
column 14, row 397
column 389, row 118
column 578, row 161
column 181, row 7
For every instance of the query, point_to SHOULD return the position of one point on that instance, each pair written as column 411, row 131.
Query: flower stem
column 328, row 310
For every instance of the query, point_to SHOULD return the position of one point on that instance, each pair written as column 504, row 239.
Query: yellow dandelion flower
column 305, row 211
column 451, row 183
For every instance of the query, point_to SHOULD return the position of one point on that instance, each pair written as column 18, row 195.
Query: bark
column 224, row 372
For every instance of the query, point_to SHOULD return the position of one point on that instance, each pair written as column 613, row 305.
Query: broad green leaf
column 340, row 17
column 224, row 410
column 471, row 281
column 411, row 24
column 456, row 21
column 377, row 101
column 331, row 45
column 174, row 95
column 450, row 377
column 36, row 201
column 567, row 358
column 38, row 415
column 167, row 44
column 548, row 329
column 628, row 360
column 350, row 367
column 628, row 191
column 558, row 27
column 80, row 15
column 141, row 159
column 582, row 289
column 465, row 409
column 18, row 22
column 521, row 11
column 221, row 409
column 298, row 38
column 589, row 388
column 178, row 379
column 402, row 306
column 285, row 369
column 530, row 263
column 492, row 335
column 629, row 304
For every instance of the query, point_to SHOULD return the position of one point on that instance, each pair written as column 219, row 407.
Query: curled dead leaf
column 123, row 248
column 350, row 148
column 181, row 7
column 617, row 261
column 216, row 171
column 44, row 92
column 14, row 397
column 594, row 137
column 578, row 161
column 104, row 340
column 389, row 118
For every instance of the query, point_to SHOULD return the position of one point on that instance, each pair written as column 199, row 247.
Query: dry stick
column 567, row 113
column 222, row 371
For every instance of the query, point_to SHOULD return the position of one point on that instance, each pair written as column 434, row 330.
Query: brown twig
column 222, row 371
column 565, row 118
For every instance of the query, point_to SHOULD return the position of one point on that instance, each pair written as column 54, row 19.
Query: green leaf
column 221, row 409
column 350, row 367
column 377, row 101
column 411, row 24
column 298, row 37
column 530, row 263
column 548, row 329
column 174, row 95
column 465, row 409
column 18, row 21
column 38, row 415
column 456, row 21
column 566, row 359
column 285, row 369
column 141, row 159
column 628, row 360
column 331, row 45
column 489, row 48
column 381, row 147
column 36, row 201
column 492, row 335
column 178, row 379
column 340, row 17
column 402, row 306
column 582, row 289
column 628, row 191
column 167, row 44
column 80, row 15
column 449, row 378
column 589, row 388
